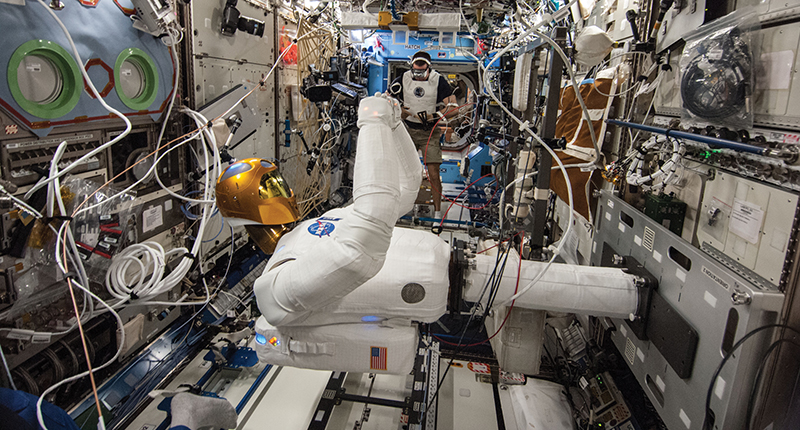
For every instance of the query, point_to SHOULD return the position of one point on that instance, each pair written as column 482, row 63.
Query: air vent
column 649, row 238
column 630, row 350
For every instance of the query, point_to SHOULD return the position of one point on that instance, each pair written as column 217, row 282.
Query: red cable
column 495, row 245
column 452, row 202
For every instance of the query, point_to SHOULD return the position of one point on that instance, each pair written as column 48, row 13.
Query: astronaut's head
column 420, row 66
column 253, row 193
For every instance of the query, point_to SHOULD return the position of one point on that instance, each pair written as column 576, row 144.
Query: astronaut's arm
column 450, row 108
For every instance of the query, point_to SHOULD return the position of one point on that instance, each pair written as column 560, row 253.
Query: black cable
column 495, row 286
column 716, row 88
column 708, row 420
column 757, row 382
column 462, row 346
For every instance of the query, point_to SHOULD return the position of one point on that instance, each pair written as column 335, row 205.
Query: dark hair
column 421, row 55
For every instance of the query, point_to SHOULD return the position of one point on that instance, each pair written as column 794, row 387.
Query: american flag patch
column 377, row 358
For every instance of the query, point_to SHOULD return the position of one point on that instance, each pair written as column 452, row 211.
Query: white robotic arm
column 387, row 178
column 341, row 291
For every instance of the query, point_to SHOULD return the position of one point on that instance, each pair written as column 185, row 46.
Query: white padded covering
column 414, row 256
column 338, row 347
column 358, row 21
column 598, row 291
column 440, row 21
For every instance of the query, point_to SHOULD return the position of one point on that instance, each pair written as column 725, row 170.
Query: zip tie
column 525, row 126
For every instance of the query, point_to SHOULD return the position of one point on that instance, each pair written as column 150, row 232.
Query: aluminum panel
column 215, row 77
column 208, row 40
column 777, row 83
column 767, row 255
column 679, row 22
column 668, row 95
column 701, row 294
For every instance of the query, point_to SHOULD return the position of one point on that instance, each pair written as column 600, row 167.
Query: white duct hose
column 523, row 194
column 598, row 291
column 634, row 175
column 358, row 247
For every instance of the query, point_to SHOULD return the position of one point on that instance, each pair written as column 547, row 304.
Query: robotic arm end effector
column 379, row 109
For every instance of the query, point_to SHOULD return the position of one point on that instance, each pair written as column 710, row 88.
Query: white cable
column 149, row 282
column 539, row 140
column 565, row 235
column 54, row 194
column 8, row 369
column 120, row 331
column 573, row 80
column 169, row 112
column 364, row 9
column 153, row 169
column 22, row 204
column 587, row 118
column 201, row 122
column 145, row 176
column 604, row 64
column 98, row 97
column 234, row 296
column 634, row 176
column 179, row 302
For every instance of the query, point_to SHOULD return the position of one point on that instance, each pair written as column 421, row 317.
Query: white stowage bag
column 365, row 348
column 592, row 45
column 541, row 405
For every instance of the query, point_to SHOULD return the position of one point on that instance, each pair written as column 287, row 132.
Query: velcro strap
column 316, row 348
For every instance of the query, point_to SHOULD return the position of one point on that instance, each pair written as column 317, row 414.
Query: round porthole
column 44, row 79
column 135, row 79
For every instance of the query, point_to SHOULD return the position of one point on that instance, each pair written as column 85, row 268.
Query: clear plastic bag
column 717, row 76
column 103, row 231
column 100, row 234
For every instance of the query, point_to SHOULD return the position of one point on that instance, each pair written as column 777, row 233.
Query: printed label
column 721, row 282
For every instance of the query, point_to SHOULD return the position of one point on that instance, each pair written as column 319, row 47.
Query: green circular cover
column 68, row 69
column 148, row 68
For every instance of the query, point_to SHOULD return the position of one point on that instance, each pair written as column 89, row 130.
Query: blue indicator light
column 370, row 318
column 260, row 338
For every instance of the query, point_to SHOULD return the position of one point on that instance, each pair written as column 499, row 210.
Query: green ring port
column 146, row 69
column 69, row 88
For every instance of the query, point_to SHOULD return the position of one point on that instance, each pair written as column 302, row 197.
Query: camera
column 232, row 20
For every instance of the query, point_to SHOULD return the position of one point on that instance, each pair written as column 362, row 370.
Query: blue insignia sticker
column 321, row 228
column 419, row 91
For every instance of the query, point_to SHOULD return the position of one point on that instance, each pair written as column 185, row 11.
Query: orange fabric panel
column 585, row 204
column 572, row 114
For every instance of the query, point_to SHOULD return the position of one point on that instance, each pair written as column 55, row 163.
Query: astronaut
column 344, row 291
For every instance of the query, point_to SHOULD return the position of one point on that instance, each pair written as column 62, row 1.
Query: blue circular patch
column 419, row 91
column 321, row 228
